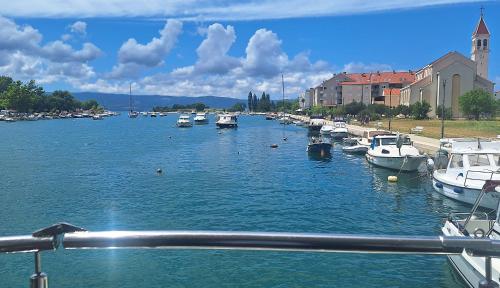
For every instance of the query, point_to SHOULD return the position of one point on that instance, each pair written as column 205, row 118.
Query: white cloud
column 24, row 57
column 208, row 10
column 264, row 54
column 133, row 56
column 358, row 67
column 154, row 52
column 79, row 27
column 212, row 52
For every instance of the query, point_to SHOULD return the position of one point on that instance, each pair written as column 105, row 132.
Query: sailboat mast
column 283, row 91
column 130, row 97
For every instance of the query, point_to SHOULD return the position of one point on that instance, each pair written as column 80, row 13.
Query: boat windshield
column 477, row 160
column 393, row 140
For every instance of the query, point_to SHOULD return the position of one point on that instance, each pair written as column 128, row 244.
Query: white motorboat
column 352, row 146
column 184, row 121
column 476, row 225
column 298, row 123
column 326, row 130
column 285, row 120
column 315, row 123
column 471, row 162
column 339, row 130
column 394, row 152
column 226, row 121
column 201, row 118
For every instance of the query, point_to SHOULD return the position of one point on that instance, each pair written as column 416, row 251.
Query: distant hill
column 119, row 102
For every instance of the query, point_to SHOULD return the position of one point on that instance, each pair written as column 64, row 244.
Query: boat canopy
column 471, row 146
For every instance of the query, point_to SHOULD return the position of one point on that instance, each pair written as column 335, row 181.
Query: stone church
column 452, row 75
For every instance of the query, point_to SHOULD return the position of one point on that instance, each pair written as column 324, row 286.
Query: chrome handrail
column 434, row 245
column 255, row 241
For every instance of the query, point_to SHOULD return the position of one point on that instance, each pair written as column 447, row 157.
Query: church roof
column 481, row 28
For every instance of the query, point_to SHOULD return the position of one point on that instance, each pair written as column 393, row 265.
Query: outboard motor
column 441, row 159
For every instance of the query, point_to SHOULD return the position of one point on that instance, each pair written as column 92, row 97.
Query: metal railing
column 63, row 236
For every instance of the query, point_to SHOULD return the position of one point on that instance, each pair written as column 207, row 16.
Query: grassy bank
column 452, row 128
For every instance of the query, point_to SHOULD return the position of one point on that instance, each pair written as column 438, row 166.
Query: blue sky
column 229, row 48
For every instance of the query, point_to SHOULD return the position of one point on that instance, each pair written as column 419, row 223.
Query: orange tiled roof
column 379, row 77
column 481, row 28
column 391, row 91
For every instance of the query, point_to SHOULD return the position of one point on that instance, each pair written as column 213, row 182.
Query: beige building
column 450, row 76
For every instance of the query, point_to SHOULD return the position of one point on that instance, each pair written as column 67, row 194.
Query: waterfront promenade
column 424, row 144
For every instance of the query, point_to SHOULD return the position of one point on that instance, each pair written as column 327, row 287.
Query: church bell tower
column 481, row 47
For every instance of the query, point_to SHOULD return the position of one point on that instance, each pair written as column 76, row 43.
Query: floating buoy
column 392, row 178
column 285, row 138
column 159, row 171
column 274, row 145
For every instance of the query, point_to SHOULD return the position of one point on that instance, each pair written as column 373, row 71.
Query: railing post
column 488, row 282
column 39, row 279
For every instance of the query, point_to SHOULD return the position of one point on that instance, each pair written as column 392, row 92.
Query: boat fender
column 439, row 185
column 458, row 190
column 479, row 233
column 392, row 178
column 430, row 163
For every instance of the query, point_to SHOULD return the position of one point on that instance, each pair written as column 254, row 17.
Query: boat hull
column 358, row 149
column 226, row 125
column 396, row 163
column 200, row 122
column 319, row 148
column 465, row 195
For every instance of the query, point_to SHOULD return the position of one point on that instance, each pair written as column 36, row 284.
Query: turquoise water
column 101, row 175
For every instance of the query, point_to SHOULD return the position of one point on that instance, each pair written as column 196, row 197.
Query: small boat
column 326, row 130
column 298, row 123
column 470, row 164
column 476, row 224
column 352, row 146
column 270, row 117
column 145, row 114
column 184, row 121
column 163, row 114
column 9, row 119
column 153, row 114
column 394, row 152
column 201, row 118
column 339, row 130
column 315, row 123
column 131, row 112
column 355, row 149
column 285, row 120
column 226, row 121
column 97, row 117
column 319, row 145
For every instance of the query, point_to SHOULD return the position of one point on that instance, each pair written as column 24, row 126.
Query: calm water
column 101, row 175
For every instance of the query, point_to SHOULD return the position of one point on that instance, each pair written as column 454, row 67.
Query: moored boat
column 184, row 121
column 315, row 123
column 326, row 130
column 394, row 152
column 319, row 145
column 473, row 269
column 226, row 121
column 201, row 118
column 471, row 163
column 339, row 130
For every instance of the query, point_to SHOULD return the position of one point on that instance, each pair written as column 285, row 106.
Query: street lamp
column 442, row 109
column 390, row 108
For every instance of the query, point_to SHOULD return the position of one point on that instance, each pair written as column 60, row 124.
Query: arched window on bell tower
column 478, row 43
column 485, row 43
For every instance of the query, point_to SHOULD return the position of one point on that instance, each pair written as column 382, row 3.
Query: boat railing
column 65, row 236
column 488, row 175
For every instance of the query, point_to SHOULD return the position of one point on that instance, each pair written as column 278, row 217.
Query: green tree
column 18, row 97
column 4, row 83
column 255, row 102
column 238, row 107
column 354, row 108
column 90, row 105
column 250, row 101
column 419, row 110
column 476, row 103
column 63, row 101
column 402, row 109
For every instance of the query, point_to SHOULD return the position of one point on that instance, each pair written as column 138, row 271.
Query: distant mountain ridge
column 120, row 102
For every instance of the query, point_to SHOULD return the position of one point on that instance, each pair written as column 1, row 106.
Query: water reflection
column 319, row 157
